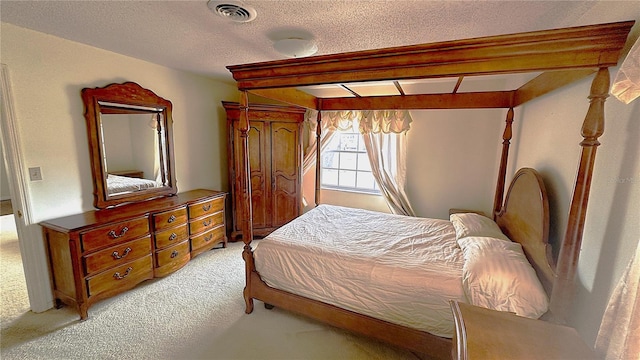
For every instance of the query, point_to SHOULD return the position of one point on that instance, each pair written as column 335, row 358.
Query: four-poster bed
column 557, row 57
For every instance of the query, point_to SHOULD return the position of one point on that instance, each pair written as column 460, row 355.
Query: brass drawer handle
column 171, row 219
column 113, row 234
column 173, row 236
column 117, row 256
column 207, row 222
column 174, row 253
column 208, row 237
column 117, row 275
column 206, row 207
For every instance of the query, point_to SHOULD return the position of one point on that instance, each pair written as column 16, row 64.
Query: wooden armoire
column 275, row 156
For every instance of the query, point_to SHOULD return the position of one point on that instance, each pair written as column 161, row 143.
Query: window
column 345, row 164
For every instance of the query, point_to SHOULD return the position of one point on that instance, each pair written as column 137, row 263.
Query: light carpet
column 195, row 313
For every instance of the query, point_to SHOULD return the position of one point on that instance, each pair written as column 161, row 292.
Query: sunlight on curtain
column 626, row 85
column 309, row 158
column 619, row 334
column 387, row 155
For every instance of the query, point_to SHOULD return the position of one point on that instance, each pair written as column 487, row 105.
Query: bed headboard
column 524, row 218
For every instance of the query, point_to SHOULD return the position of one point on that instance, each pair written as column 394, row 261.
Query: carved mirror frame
column 127, row 98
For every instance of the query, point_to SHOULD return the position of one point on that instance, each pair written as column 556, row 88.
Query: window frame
column 359, row 150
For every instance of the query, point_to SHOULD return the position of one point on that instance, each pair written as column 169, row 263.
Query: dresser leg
column 84, row 312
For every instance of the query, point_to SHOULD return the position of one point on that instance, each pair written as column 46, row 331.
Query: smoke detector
column 294, row 47
column 232, row 10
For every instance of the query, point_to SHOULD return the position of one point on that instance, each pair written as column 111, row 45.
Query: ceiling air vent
column 233, row 11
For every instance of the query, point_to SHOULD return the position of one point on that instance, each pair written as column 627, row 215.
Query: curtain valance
column 368, row 121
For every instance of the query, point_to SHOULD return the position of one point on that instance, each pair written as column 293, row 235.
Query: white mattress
column 117, row 184
column 396, row 268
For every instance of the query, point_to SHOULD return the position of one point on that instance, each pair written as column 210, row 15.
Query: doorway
column 34, row 271
column 15, row 298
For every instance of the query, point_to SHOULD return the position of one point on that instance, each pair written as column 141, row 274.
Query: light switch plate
column 35, row 174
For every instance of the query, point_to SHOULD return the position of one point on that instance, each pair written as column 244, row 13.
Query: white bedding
column 400, row 269
column 118, row 184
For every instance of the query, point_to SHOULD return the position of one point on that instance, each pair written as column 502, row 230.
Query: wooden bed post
column 318, row 155
column 247, row 212
column 592, row 128
column 502, row 172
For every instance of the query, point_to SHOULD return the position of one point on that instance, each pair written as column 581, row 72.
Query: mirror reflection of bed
column 131, row 151
column 119, row 184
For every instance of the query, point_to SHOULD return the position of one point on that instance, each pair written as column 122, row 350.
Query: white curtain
column 384, row 134
column 626, row 84
column 389, row 170
column 619, row 334
column 309, row 159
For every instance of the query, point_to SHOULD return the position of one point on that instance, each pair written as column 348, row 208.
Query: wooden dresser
column 488, row 334
column 101, row 253
column 275, row 156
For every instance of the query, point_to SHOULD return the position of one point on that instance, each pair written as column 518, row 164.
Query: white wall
column 452, row 160
column 547, row 132
column 47, row 74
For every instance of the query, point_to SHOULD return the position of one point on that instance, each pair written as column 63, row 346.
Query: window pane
column 345, row 163
column 330, row 159
column 348, row 161
column 347, row 178
column 334, row 143
column 363, row 162
column 349, row 142
column 366, row 181
column 330, row 177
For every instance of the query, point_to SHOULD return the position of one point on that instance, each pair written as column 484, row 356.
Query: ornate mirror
column 130, row 144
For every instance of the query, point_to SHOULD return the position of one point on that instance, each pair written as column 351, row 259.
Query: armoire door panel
column 258, row 154
column 285, row 168
column 285, row 200
column 285, row 185
column 285, row 140
column 259, row 201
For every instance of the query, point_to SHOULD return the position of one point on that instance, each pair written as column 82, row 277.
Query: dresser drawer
column 206, row 207
column 209, row 238
column 171, row 259
column 171, row 237
column 121, row 277
column 117, row 255
column 172, row 254
column 206, row 223
column 114, row 234
column 168, row 219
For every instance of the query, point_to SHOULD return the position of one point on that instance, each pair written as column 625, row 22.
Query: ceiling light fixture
column 232, row 10
column 295, row 47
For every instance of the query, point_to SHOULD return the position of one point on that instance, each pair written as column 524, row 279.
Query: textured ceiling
column 186, row 35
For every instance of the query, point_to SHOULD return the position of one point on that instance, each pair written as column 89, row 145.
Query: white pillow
column 497, row 275
column 471, row 224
